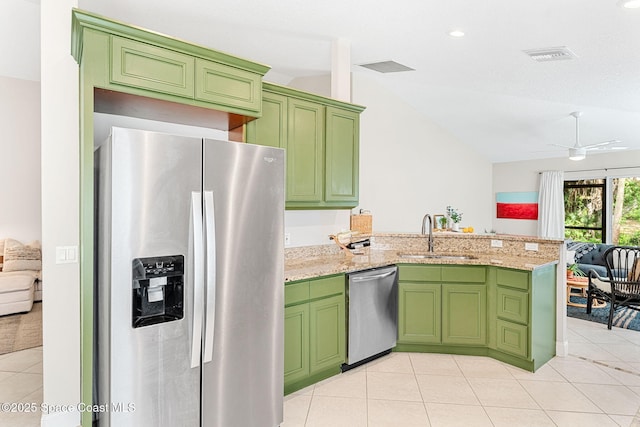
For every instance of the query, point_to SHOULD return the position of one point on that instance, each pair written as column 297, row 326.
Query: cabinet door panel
column 342, row 151
column 465, row 314
column 513, row 305
column 327, row 336
column 228, row 86
column 305, row 151
column 271, row 128
column 149, row 67
column 296, row 343
column 419, row 313
column 512, row 338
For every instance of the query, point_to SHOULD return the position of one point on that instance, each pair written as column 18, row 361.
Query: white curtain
column 551, row 205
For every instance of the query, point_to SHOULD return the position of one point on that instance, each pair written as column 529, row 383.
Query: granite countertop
column 327, row 264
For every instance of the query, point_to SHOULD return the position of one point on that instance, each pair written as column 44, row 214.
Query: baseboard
column 61, row 419
column 562, row 348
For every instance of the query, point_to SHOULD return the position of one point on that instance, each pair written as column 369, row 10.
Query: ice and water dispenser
column 158, row 290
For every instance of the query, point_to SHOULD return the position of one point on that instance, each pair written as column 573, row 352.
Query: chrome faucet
column 424, row 220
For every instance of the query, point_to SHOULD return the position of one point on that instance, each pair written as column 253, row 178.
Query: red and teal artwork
column 517, row 205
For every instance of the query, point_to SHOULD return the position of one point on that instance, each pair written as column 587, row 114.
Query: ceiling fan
column 578, row 151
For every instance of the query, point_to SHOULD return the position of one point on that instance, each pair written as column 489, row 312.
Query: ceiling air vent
column 387, row 67
column 550, row 54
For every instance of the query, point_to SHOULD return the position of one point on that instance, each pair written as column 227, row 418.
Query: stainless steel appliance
column 373, row 314
column 189, row 282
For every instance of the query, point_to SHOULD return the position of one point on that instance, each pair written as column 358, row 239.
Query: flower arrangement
column 455, row 216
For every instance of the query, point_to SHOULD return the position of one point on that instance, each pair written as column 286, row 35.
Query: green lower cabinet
column 327, row 337
column 513, row 305
column 512, row 338
column 464, row 314
column 296, row 343
column 491, row 311
column 419, row 313
column 314, row 331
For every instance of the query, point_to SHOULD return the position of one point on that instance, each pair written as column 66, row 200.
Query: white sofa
column 20, row 286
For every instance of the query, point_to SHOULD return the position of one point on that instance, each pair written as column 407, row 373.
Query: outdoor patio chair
column 622, row 286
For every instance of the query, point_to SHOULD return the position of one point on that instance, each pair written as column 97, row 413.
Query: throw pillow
column 21, row 257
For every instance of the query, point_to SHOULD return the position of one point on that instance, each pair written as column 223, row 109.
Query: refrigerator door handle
column 210, row 224
column 198, row 278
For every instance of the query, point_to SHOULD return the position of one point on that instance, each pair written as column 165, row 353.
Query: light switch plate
column 496, row 243
column 66, row 254
column 287, row 239
column 531, row 247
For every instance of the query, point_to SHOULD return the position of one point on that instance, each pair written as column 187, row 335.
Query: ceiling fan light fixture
column 577, row 153
column 629, row 4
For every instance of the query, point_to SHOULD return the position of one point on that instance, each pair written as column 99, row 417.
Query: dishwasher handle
column 377, row 276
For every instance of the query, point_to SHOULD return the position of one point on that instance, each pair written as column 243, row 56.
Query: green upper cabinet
column 153, row 65
column 322, row 139
column 150, row 67
column 342, row 156
column 271, row 129
column 229, row 86
column 305, row 146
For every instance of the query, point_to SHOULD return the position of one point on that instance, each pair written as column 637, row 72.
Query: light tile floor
column 21, row 383
column 597, row 385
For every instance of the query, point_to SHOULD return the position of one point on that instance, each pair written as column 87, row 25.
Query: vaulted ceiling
column 482, row 87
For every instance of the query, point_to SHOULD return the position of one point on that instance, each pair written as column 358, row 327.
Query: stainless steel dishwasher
column 372, row 314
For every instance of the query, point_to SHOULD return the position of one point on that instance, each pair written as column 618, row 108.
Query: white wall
column 60, row 205
column 524, row 176
column 20, row 215
column 409, row 166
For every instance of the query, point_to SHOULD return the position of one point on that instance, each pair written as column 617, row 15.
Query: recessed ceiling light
column 456, row 33
column 629, row 4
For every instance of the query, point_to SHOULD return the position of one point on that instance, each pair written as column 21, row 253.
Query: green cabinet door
column 305, row 151
column 512, row 305
column 342, row 156
column 464, row 311
column 327, row 333
column 512, row 338
column 296, row 343
column 419, row 310
column 229, row 86
column 270, row 129
column 150, row 67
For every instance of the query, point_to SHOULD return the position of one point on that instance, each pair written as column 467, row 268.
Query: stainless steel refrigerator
column 189, row 282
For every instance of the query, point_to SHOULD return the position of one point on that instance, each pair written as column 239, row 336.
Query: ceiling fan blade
column 601, row 144
column 560, row 145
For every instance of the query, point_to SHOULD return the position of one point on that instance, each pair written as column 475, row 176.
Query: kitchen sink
column 436, row 256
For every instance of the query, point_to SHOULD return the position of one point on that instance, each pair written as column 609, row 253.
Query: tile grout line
column 415, row 377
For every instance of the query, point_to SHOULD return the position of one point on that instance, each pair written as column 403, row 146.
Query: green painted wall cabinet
column 322, row 139
column 314, row 331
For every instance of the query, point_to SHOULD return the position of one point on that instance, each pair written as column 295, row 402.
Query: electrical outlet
column 496, row 243
column 531, row 247
column 287, row 239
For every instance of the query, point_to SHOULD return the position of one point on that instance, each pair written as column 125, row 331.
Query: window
column 626, row 211
column 585, row 208
column 589, row 218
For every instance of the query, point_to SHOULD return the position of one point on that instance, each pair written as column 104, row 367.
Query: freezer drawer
column 373, row 313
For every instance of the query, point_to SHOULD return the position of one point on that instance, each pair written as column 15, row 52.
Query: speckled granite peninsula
column 386, row 248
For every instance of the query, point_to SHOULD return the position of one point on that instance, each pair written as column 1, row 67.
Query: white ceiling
column 482, row 88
